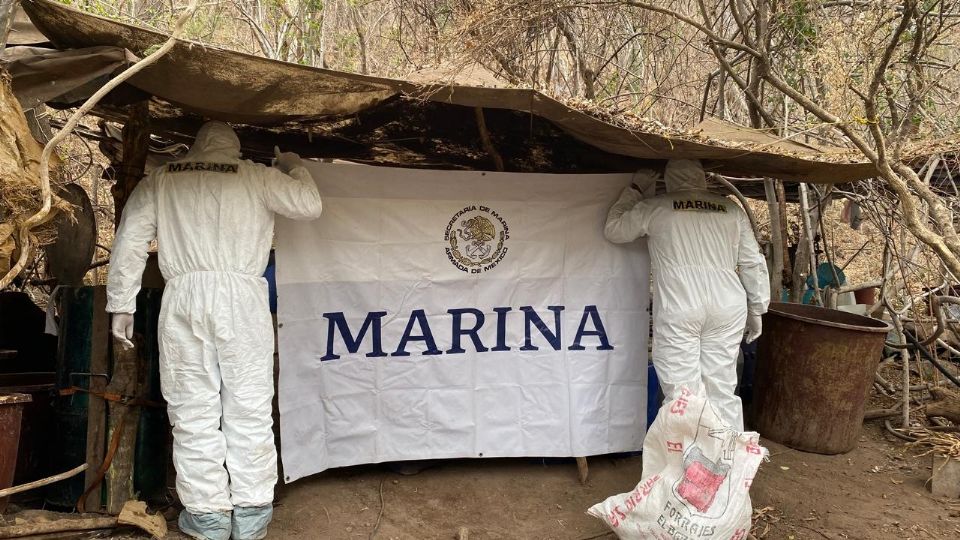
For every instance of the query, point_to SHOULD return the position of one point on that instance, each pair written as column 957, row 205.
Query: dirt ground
column 875, row 492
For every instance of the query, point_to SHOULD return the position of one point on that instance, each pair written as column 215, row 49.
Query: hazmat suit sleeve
column 138, row 227
column 752, row 269
column 293, row 195
column 629, row 218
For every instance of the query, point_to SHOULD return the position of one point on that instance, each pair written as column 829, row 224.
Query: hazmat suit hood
column 215, row 140
column 684, row 175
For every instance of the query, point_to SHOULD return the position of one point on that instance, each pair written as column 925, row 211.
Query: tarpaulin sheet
column 438, row 314
column 231, row 86
column 40, row 75
column 22, row 31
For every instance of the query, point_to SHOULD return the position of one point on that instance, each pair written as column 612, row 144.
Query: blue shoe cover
column 208, row 526
column 250, row 522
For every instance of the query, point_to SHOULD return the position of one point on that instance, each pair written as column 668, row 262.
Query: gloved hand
column 754, row 327
column 644, row 181
column 286, row 161
column 121, row 326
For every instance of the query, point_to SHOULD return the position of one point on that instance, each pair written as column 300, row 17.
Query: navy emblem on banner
column 476, row 237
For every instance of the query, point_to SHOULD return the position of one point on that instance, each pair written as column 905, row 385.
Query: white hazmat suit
column 708, row 275
column 212, row 215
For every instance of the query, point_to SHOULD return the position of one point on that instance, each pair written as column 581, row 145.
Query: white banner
column 439, row 314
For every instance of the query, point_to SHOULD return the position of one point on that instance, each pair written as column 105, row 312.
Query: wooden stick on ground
column 43, row 482
column 878, row 414
column 58, row 526
column 35, row 523
column 135, row 513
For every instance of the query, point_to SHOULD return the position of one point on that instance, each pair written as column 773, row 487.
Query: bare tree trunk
column 721, row 111
column 566, row 26
column 552, row 63
column 805, row 249
column 801, row 267
column 362, row 39
column 810, row 225
column 776, row 240
column 784, row 235
column 324, row 18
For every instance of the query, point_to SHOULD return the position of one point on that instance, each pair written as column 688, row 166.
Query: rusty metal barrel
column 11, row 411
column 815, row 367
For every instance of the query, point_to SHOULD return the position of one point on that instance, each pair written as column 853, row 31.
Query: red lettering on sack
column 754, row 448
column 615, row 516
column 679, row 406
column 675, row 446
column 739, row 535
column 640, row 493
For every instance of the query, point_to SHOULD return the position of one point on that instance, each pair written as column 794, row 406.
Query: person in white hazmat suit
column 710, row 282
column 212, row 215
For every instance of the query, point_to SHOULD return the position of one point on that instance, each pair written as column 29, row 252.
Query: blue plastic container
column 653, row 395
column 271, row 276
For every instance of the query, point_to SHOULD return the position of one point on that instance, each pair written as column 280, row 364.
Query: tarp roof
column 327, row 113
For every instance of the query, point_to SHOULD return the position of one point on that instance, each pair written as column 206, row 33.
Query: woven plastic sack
column 697, row 473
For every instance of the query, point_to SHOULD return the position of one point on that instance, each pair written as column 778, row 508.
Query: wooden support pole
column 136, row 146
column 127, row 365
column 96, row 408
column 583, row 470
column 486, row 141
column 125, row 418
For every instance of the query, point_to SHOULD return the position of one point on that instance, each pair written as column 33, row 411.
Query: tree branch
column 46, row 193
column 683, row 18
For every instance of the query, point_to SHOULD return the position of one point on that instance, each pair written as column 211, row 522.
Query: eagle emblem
column 479, row 232
column 476, row 236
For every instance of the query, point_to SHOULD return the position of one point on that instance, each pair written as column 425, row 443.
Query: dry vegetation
column 879, row 77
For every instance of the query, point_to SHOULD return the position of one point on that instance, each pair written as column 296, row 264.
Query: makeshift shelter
column 324, row 113
column 430, row 120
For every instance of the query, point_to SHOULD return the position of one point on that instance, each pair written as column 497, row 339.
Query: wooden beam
column 136, row 146
column 97, row 409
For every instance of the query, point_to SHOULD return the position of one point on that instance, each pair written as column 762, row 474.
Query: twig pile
column 939, row 444
column 762, row 518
